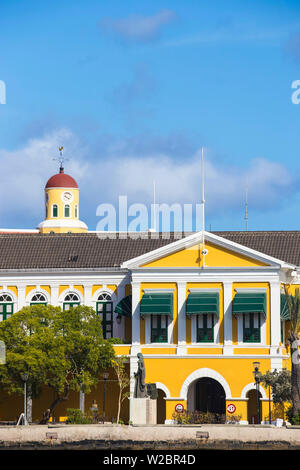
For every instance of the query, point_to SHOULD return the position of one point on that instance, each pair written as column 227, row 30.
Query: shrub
column 75, row 416
column 198, row 417
column 293, row 419
column 233, row 419
column 115, row 340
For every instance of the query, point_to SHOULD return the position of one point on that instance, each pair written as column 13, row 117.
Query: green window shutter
column 54, row 210
column 205, row 328
column 124, row 307
column 105, row 311
column 159, row 328
column 203, row 302
column 248, row 302
column 157, row 304
column 251, row 328
column 67, row 210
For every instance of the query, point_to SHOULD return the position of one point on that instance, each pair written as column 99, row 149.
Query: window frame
column 103, row 315
column 252, row 328
column 6, row 303
column 205, row 328
column 54, row 207
column 71, row 303
column 162, row 332
column 67, row 206
column 38, row 302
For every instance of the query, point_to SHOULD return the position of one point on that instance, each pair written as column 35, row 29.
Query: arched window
column 76, row 211
column 38, row 299
column 105, row 311
column 67, row 210
column 54, row 210
column 71, row 300
column 6, row 306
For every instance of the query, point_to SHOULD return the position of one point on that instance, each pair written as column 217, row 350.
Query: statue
column 142, row 390
column 140, row 386
column 152, row 391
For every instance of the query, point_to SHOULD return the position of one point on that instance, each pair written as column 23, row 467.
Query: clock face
column 67, row 196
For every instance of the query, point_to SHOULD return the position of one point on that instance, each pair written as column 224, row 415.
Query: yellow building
column 199, row 317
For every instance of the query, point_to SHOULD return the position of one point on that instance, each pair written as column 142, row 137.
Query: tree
column 118, row 365
column 63, row 350
column 280, row 383
column 293, row 303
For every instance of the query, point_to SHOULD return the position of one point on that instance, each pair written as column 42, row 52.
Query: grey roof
column 25, row 251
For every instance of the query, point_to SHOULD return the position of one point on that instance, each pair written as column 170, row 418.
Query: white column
column 227, row 302
column 136, row 347
column 275, row 324
column 54, row 295
column 21, row 297
column 181, row 322
column 136, row 293
column 88, row 295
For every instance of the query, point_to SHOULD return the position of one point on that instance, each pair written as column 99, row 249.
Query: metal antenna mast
column 153, row 212
column 246, row 205
column 204, row 251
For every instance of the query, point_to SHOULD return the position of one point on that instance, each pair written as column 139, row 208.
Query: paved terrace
column 149, row 437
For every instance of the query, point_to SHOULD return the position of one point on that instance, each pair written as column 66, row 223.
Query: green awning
column 284, row 311
column 202, row 302
column 249, row 302
column 157, row 304
column 124, row 307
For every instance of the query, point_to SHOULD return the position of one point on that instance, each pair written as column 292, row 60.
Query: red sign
column 231, row 408
column 179, row 408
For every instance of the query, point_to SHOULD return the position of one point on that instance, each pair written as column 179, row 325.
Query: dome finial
column 61, row 159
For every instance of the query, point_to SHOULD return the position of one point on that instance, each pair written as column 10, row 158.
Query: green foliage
column 64, row 350
column 76, row 416
column 293, row 304
column 293, row 419
column 280, row 382
column 115, row 340
column 198, row 417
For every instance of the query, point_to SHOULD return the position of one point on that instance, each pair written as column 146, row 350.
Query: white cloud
column 26, row 170
column 138, row 27
column 180, row 181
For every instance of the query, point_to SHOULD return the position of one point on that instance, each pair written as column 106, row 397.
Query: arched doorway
column 252, row 407
column 210, row 396
column 161, row 407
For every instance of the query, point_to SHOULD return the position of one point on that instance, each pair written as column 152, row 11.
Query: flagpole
column 203, row 206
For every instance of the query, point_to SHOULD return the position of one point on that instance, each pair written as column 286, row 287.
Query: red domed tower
column 62, row 205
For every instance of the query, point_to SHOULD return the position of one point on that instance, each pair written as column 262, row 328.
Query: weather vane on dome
column 61, row 159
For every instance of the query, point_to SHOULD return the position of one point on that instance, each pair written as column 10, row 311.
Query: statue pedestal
column 143, row 410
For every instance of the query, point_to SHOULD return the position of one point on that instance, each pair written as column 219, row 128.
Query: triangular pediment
column 218, row 253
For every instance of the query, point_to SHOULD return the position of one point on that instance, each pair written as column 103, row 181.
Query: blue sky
column 134, row 89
